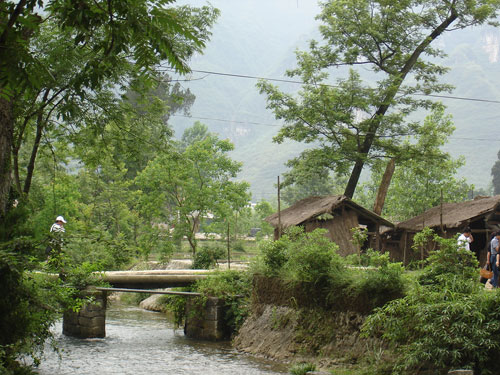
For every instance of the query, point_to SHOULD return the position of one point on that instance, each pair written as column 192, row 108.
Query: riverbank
column 288, row 325
column 294, row 324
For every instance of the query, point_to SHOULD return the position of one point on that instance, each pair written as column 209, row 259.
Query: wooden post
column 405, row 238
column 228, row 248
column 422, row 246
column 441, row 213
column 279, row 209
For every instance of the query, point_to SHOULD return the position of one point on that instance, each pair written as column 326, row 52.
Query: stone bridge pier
column 204, row 318
column 90, row 320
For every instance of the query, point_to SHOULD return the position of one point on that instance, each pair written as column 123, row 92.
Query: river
column 143, row 342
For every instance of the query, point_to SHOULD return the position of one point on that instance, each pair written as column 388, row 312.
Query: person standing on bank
column 465, row 239
column 493, row 258
column 55, row 255
column 58, row 226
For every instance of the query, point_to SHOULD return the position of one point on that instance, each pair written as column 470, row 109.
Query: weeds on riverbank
column 310, row 260
column 234, row 287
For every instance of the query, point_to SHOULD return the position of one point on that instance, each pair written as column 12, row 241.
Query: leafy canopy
column 355, row 121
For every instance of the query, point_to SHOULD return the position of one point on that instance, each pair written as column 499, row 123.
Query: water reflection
column 142, row 342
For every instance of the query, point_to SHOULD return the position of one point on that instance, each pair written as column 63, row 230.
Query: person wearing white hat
column 54, row 250
column 58, row 226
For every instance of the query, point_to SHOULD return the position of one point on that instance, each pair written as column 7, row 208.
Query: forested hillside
column 258, row 38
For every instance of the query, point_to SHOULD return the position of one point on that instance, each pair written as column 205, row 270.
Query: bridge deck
column 176, row 293
column 153, row 278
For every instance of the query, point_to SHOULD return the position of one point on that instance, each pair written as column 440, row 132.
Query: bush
column 447, row 263
column 207, row 256
column 239, row 246
column 27, row 312
column 100, row 247
column 176, row 305
column 274, row 255
column 312, row 257
column 235, row 288
column 380, row 284
column 232, row 286
column 446, row 321
column 302, row 368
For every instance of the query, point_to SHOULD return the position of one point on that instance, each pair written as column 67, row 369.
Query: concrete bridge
column 153, row 279
column 90, row 320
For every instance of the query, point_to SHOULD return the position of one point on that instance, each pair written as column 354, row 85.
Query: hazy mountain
column 259, row 37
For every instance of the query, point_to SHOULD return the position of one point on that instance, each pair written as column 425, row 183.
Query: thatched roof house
column 482, row 215
column 336, row 213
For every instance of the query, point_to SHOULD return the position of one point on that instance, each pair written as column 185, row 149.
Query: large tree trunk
column 6, row 139
column 34, row 152
column 389, row 97
column 384, row 186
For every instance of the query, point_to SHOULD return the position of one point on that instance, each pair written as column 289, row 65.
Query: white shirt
column 464, row 242
column 57, row 228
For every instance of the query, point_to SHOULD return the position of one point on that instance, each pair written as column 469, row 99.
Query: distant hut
column 482, row 215
column 336, row 213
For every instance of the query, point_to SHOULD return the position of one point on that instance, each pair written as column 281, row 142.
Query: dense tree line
column 82, row 111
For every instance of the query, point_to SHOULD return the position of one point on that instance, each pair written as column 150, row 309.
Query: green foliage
column 312, row 257
column 423, row 171
column 61, row 69
column 301, row 257
column 274, row 255
column 382, row 282
column 445, row 321
column 182, row 187
column 359, row 235
column 29, row 305
column 308, row 175
column 206, row 257
column 353, row 122
column 176, row 305
column 235, row 288
column 449, row 263
column 310, row 261
column 302, row 368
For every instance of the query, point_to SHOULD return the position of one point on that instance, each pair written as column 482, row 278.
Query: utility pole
column 279, row 209
column 228, row 248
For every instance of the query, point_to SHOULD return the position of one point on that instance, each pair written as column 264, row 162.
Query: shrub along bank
column 303, row 302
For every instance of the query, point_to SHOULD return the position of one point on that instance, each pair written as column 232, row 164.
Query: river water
column 143, row 342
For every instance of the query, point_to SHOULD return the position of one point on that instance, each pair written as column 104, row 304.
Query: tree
column 182, row 187
column 425, row 172
column 307, row 177
column 352, row 122
column 118, row 39
column 495, row 173
column 198, row 132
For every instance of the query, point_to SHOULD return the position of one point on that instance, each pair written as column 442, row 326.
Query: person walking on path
column 465, row 239
column 493, row 258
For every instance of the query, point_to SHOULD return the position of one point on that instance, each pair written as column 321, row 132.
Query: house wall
column 339, row 230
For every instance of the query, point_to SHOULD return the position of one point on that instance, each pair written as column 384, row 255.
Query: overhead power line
column 277, row 125
column 301, row 83
column 226, row 120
